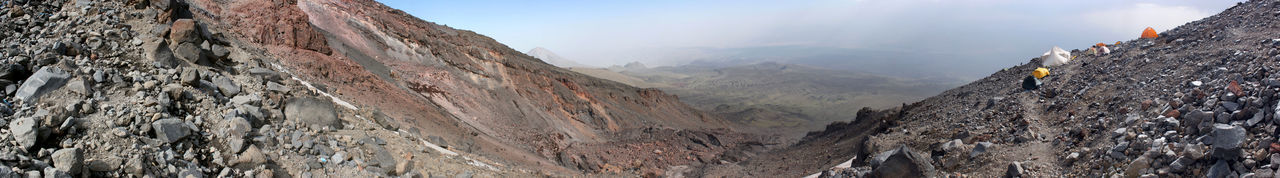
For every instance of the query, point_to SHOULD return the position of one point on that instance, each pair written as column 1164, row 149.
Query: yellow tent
column 1149, row 33
column 1040, row 72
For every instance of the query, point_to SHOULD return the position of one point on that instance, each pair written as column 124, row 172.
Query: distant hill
column 775, row 95
column 552, row 58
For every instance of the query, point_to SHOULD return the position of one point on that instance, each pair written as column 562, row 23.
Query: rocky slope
column 1200, row 100
column 316, row 87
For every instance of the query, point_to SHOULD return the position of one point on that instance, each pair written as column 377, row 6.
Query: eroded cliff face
column 467, row 88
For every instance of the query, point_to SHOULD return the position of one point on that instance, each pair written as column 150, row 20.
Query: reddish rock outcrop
column 466, row 87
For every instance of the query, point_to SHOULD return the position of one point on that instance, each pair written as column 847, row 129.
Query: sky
column 989, row 34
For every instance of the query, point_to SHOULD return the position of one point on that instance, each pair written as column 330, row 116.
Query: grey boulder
column 69, row 160
column 228, row 87
column 901, row 162
column 170, row 130
column 25, row 131
column 42, row 82
column 312, row 111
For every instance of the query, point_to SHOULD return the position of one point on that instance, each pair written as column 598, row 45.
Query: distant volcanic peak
column 552, row 58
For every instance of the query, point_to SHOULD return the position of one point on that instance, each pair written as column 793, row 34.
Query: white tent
column 1055, row 56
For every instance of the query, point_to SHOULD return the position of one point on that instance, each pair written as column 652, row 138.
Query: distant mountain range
column 776, row 95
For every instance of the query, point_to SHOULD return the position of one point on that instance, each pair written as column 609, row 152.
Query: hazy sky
column 993, row 33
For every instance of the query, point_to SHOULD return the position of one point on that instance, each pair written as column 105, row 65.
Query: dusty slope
column 476, row 93
column 128, row 108
column 1148, row 87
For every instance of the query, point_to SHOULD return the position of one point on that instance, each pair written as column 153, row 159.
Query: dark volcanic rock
column 901, row 162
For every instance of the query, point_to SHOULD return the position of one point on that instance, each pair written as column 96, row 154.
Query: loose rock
column 312, row 111
column 170, row 130
column 69, row 160
column 43, row 81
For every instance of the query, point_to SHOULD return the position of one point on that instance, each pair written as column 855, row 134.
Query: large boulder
column 901, row 162
column 312, row 111
column 42, row 82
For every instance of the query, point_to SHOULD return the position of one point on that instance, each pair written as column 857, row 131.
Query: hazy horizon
column 981, row 36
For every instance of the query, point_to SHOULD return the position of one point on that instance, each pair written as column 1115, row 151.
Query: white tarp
column 1055, row 56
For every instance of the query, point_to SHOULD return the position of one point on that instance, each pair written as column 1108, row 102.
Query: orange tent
column 1149, row 33
column 1100, row 44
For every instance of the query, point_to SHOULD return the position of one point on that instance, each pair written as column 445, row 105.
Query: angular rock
column 252, row 157
column 1135, row 168
column 189, row 76
column 338, row 157
column 184, row 31
column 237, row 129
column 170, row 130
column 382, row 119
column 265, row 73
column 1226, row 141
column 226, row 86
column 60, row 48
column 250, row 99
column 1119, row 131
column 80, row 86
column 383, row 158
column 1219, row 169
column 190, row 53
column 1230, row 106
column 55, row 173
column 273, row 86
column 219, row 52
column 312, row 111
column 979, row 148
column 104, row 165
column 69, row 160
column 901, row 162
column 157, row 51
column 26, row 131
column 161, row 5
column 134, row 166
column 1117, row 152
column 1179, row 165
column 42, row 82
column 99, row 76
column 1015, row 170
